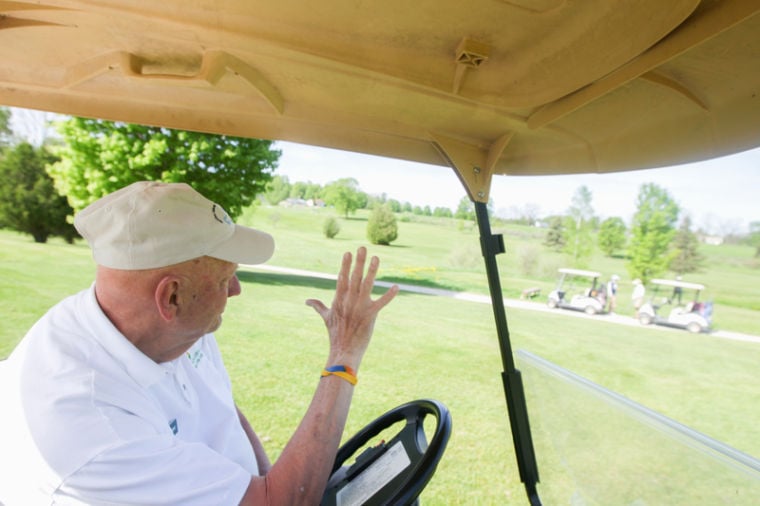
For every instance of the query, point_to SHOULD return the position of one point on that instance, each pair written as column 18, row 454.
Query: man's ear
column 167, row 297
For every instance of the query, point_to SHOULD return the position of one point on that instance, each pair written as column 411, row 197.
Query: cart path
column 511, row 303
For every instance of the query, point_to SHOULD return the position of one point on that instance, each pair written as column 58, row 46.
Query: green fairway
column 426, row 346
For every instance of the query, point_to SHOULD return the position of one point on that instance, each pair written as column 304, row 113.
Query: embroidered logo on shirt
column 195, row 357
column 174, row 427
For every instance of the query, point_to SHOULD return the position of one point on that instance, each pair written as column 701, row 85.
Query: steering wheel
column 393, row 472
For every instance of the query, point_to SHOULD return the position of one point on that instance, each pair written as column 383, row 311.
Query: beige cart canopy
column 519, row 87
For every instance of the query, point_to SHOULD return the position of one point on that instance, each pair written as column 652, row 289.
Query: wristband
column 342, row 371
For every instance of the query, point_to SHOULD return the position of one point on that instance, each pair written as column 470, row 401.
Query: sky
column 722, row 196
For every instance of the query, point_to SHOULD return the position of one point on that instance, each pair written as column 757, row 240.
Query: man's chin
column 215, row 327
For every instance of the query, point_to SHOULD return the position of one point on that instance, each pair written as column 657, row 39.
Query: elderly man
column 118, row 394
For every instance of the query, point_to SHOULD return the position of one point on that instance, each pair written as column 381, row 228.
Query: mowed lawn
column 425, row 346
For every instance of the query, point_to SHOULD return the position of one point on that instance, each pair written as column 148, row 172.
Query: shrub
column 331, row 227
column 381, row 226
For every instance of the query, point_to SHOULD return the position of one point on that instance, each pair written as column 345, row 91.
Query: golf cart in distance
column 669, row 310
column 578, row 290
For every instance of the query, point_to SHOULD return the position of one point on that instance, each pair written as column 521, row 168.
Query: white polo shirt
column 86, row 418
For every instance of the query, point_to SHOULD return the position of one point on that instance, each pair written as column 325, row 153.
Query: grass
column 427, row 346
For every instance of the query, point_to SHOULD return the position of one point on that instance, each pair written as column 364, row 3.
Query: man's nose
column 234, row 287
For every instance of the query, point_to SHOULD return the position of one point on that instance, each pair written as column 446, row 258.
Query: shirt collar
column 135, row 363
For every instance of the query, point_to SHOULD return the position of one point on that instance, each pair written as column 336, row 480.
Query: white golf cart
column 671, row 311
column 578, row 290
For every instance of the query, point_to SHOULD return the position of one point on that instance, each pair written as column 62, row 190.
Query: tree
column 28, row 200
column 99, row 157
column 612, row 235
column 344, row 195
column 578, row 228
column 442, row 212
column 555, row 236
column 297, row 190
column 652, row 231
column 277, row 190
column 465, row 209
column 313, row 191
column 686, row 255
column 381, row 226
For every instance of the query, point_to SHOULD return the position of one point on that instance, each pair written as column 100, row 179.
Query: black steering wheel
column 393, row 472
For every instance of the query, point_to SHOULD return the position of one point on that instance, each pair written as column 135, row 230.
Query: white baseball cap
column 150, row 224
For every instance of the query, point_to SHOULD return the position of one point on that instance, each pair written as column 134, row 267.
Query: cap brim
column 245, row 246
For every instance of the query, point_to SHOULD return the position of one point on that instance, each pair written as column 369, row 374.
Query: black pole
column 517, row 408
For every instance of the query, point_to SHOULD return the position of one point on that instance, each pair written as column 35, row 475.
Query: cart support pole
column 517, row 408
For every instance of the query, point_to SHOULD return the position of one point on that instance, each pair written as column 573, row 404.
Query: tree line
column 347, row 197
column 658, row 240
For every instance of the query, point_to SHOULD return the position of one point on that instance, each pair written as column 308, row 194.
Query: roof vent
column 469, row 54
column 472, row 53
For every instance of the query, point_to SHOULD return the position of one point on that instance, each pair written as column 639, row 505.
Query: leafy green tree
column 277, row 190
column 556, row 236
column 686, row 255
column 98, row 157
column 313, row 191
column 395, row 205
column 652, row 231
column 443, row 212
column 28, row 200
column 297, row 190
column 362, row 200
column 381, row 226
column 578, row 243
column 612, row 235
column 344, row 195
column 465, row 209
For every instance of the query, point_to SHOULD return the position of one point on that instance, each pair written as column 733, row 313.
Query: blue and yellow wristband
column 342, row 371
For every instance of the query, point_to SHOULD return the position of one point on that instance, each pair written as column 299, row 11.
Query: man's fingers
column 345, row 267
column 318, row 306
column 369, row 280
column 386, row 297
column 358, row 274
column 353, row 286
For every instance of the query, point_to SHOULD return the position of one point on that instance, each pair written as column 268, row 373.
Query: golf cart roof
column 679, row 284
column 518, row 87
column 579, row 272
